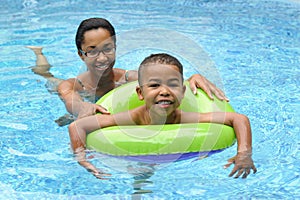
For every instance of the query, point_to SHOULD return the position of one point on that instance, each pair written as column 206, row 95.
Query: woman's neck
column 105, row 81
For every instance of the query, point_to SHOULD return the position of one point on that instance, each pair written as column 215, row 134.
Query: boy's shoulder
column 139, row 115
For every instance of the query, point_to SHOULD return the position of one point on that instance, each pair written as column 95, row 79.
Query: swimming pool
column 253, row 50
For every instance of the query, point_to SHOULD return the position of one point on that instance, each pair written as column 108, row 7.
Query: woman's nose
column 101, row 56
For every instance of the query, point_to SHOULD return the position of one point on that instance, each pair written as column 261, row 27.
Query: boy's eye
column 153, row 85
column 173, row 85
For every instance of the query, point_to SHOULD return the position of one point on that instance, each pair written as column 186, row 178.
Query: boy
column 161, row 87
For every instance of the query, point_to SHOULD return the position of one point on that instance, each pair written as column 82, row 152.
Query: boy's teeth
column 164, row 102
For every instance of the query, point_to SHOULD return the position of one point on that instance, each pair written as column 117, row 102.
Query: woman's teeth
column 101, row 66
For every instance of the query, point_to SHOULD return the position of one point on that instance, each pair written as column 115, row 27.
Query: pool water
column 249, row 48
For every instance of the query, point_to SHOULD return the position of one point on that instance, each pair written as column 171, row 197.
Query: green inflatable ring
column 161, row 143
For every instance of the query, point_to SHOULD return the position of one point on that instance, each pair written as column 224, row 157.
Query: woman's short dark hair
column 90, row 24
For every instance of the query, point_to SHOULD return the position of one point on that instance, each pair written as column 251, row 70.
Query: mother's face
column 98, row 51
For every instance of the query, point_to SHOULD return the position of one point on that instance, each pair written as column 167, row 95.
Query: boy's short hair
column 160, row 58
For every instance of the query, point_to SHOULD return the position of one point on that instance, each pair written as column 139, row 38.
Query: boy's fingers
column 232, row 172
column 254, row 169
column 101, row 176
column 240, row 172
column 227, row 165
column 230, row 162
column 246, row 173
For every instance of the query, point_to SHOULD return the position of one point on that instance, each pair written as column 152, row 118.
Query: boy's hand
column 98, row 174
column 92, row 169
column 243, row 164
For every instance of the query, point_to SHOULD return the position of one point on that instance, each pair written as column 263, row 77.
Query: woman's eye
column 107, row 50
column 93, row 52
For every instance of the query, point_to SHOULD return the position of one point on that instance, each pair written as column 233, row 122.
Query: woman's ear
column 139, row 92
column 80, row 55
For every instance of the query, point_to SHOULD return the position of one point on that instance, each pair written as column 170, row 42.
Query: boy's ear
column 80, row 55
column 183, row 89
column 138, row 90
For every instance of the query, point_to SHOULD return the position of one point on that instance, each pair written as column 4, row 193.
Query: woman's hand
column 88, row 109
column 198, row 81
column 243, row 164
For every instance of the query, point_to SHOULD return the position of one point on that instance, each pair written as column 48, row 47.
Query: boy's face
column 162, row 88
column 98, row 51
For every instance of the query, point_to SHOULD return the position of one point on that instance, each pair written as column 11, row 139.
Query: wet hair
column 160, row 58
column 90, row 24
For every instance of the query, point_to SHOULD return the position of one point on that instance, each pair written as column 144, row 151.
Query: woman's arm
column 199, row 81
column 68, row 92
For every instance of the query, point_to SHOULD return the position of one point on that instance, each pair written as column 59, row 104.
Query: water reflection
column 141, row 172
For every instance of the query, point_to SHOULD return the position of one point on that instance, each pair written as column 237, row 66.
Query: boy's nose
column 164, row 91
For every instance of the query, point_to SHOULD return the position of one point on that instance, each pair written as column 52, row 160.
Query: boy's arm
column 68, row 92
column 78, row 131
column 243, row 162
column 241, row 125
column 81, row 127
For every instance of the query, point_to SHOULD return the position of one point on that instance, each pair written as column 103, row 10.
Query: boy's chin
column 163, row 114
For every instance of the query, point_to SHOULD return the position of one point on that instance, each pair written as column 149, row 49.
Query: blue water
column 249, row 48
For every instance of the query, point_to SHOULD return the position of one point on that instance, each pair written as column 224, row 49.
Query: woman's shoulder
column 74, row 83
column 118, row 71
column 119, row 75
column 122, row 75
